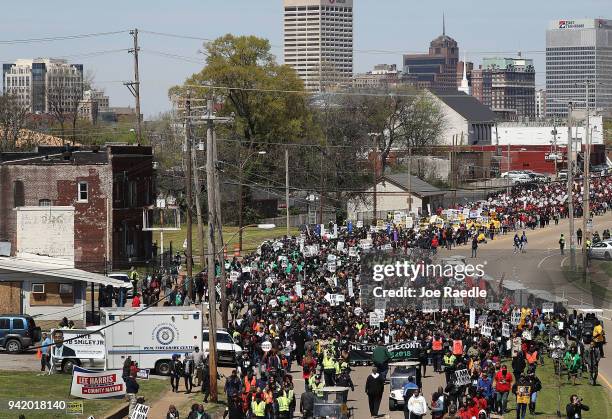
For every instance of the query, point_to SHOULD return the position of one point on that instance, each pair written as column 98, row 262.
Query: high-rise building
column 42, row 85
column 383, row 76
column 512, row 87
column 438, row 68
column 318, row 41
column 578, row 51
column 482, row 84
column 541, row 103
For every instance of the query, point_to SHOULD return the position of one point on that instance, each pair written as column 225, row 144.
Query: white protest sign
column 352, row 252
column 365, row 244
column 387, row 247
column 458, row 302
column 351, row 291
column 273, row 303
column 409, row 222
column 358, row 311
column 374, row 320
column 143, row 374
column 482, row 319
column 494, row 306
column 526, row 335
column 506, row 330
column 515, row 319
column 359, row 224
column 560, row 325
column 548, row 308
column 140, row 411
column 298, row 289
column 266, row 346
column 380, row 312
column 234, row 276
column 462, row 377
column 340, row 246
column 430, row 306
column 472, row 318
column 447, row 304
column 486, row 331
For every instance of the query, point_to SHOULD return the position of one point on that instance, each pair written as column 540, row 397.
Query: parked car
column 227, row 350
column 602, row 250
column 522, row 178
column 18, row 332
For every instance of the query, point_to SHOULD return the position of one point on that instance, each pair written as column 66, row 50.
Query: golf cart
column 333, row 403
column 400, row 374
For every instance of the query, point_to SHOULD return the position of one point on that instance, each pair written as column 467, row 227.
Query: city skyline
column 380, row 36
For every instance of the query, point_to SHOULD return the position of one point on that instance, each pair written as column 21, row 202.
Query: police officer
column 282, row 402
column 258, row 407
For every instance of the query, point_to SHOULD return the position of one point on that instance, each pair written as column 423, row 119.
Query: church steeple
column 465, row 86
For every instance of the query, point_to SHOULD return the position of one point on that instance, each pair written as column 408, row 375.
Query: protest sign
column 409, row 222
column 88, row 384
column 506, row 330
column 374, row 320
column 430, row 306
column 472, row 318
column 447, row 304
column 352, row 252
column 234, row 276
column 340, row 246
column 458, row 302
column 140, row 411
column 523, row 394
column 494, row 306
column 298, row 289
column 266, row 346
column 400, row 351
column 486, row 331
column 359, row 224
column 351, row 291
column 526, row 335
column 515, row 319
column 482, row 319
column 365, row 244
column 387, row 246
column 548, row 307
column 143, row 373
column 560, row 325
column 462, row 377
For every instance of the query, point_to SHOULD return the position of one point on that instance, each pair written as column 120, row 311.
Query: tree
column 63, row 96
column 12, row 119
column 266, row 99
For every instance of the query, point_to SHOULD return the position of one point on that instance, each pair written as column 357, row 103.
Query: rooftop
column 467, row 106
column 417, row 186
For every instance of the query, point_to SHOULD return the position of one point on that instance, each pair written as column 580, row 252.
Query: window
column 65, row 289
column 83, row 193
column 44, row 202
column 18, row 324
column 38, row 288
column 18, row 194
column 5, row 324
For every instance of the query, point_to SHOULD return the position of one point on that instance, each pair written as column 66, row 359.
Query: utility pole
column 219, row 226
column 198, row 189
column 189, row 193
column 586, row 213
column 287, row 186
column 211, row 253
column 409, row 179
column 134, row 86
column 374, row 177
column 570, row 186
column 321, row 190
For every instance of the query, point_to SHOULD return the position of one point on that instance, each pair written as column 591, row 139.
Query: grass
column 601, row 272
column 30, row 386
column 596, row 397
column 252, row 237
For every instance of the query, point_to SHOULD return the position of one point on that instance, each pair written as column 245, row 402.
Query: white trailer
column 150, row 337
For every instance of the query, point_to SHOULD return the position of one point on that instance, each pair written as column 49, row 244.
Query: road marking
column 603, row 377
column 563, row 261
column 543, row 259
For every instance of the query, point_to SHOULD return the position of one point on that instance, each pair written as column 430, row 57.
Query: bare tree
column 12, row 120
column 63, row 98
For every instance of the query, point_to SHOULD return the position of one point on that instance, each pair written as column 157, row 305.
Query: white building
column 318, row 41
column 466, row 121
column 392, row 194
column 99, row 97
column 44, row 84
column 514, row 133
column 578, row 51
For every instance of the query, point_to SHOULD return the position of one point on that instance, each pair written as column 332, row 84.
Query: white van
column 150, row 337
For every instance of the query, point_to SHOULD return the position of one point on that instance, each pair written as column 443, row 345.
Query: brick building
column 83, row 206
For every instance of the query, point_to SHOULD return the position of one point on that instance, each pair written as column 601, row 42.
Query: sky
column 481, row 28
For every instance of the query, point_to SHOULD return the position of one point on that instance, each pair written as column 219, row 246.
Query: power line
column 59, row 38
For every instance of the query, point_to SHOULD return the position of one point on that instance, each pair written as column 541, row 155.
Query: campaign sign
column 74, row 408
column 91, row 346
column 140, row 411
column 462, row 377
column 88, row 384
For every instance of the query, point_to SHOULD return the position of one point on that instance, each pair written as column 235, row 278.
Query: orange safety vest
column 269, row 397
column 531, row 358
column 436, row 345
column 248, row 384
